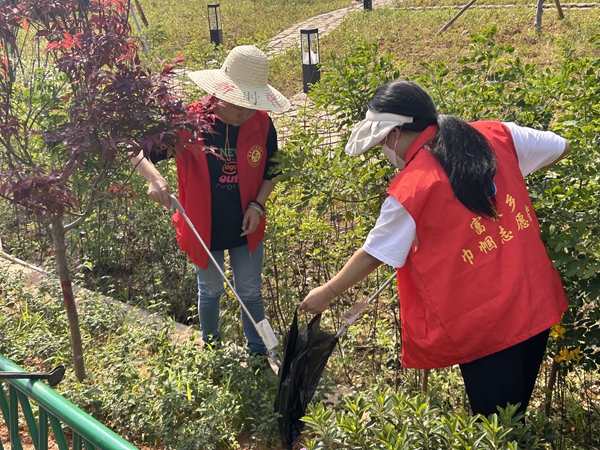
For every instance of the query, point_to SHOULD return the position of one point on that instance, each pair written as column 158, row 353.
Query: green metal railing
column 54, row 411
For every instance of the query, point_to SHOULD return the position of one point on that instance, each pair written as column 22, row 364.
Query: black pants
column 507, row 376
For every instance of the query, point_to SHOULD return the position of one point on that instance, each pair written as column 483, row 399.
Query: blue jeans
column 247, row 280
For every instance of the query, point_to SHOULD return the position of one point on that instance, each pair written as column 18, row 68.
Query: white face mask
column 390, row 154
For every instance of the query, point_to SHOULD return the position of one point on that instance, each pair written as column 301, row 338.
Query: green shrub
column 139, row 382
column 383, row 419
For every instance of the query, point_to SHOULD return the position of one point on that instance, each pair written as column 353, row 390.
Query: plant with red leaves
column 75, row 102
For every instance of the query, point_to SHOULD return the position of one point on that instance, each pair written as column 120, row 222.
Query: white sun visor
column 369, row 132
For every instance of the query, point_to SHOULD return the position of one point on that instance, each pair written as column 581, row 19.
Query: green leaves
column 143, row 385
column 385, row 419
column 347, row 83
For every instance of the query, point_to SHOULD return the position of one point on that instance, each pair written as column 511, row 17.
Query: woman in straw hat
column 224, row 192
column 475, row 285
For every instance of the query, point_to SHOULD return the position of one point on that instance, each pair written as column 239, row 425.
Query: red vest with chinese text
column 471, row 286
column 195, row 192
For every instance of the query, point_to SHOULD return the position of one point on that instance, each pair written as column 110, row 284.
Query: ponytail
column 468, row 160
column 464, row 153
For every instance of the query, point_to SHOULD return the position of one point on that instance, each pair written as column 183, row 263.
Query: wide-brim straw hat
column 242, row 81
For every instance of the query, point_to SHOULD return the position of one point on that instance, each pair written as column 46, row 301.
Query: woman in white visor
column 475, row 284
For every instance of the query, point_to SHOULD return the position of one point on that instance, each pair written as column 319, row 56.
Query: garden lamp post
column 214, row 23
column 368, row 4
column 309, row 43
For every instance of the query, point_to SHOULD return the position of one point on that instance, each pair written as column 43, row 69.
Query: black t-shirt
column 226, row 203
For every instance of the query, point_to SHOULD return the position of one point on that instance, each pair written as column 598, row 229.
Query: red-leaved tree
column 74, row 103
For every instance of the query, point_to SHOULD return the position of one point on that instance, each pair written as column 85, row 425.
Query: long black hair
column 464, row 153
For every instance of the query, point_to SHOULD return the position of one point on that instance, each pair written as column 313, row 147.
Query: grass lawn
column 181, row 26
column 410, row 34
column 416, row 40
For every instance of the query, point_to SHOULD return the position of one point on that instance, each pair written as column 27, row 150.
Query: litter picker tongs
column 263, row 328
column 352, row 314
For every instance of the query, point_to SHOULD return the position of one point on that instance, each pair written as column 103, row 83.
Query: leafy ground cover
column 193, row 398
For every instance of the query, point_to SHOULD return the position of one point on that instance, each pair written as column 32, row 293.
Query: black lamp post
column 214, row 23
column 368, row 4
column 309, row 44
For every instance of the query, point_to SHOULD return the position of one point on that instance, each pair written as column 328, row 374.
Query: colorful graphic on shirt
column 229, row 179
column 230, row 168
column 255, row 155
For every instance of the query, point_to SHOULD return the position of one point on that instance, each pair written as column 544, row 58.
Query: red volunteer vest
column 471, row 286
column 195, row 192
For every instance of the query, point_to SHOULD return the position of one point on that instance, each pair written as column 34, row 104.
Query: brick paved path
column 290, row 37
column 325, row 22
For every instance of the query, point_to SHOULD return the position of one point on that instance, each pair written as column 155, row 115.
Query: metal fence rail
column 54, row 411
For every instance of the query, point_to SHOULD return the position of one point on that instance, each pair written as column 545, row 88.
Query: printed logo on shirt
column 255, row 155
column 230, row 168
column 228, row 182
column 229, row 179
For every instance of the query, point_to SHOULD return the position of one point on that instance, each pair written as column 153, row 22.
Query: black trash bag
column 306, row 351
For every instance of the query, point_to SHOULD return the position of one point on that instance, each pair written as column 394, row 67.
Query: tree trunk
column 559, row 10
column 425, row 381
column 550, row 387
column 60, row 257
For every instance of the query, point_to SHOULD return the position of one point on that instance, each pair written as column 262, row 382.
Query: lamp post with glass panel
column 214, row 23
column 309, row 44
